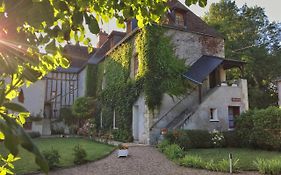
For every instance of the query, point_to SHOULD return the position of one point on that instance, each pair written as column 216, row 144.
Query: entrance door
column 136, row 122
column 233, row 111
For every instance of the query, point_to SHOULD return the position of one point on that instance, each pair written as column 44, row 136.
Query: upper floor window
column 179, row 19
column 136, row 64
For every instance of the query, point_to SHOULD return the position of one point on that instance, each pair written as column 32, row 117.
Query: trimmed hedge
column 260, row 128
column 188, row 139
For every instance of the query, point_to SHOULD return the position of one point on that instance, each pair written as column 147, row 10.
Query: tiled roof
column 194, row 23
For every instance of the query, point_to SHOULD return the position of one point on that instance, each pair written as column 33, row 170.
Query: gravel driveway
column 143, row 160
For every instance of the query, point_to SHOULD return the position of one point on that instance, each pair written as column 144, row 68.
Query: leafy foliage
column 159, row 72
column 173, row 151
column 188, row 139
column 260, row 128
column 192, row 161
column 251, row 37
column 79, row 155
column 83, row 107
column 268, row 166
column 7, row 164
column 53, row 157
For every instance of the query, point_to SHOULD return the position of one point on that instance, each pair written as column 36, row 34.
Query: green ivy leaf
column 202, row 3
column 15, row 107
column 92, row 23
column 31, row 74
column 51, row 47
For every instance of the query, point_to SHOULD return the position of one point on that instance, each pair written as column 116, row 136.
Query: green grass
column 65, row 148
column 245, row 156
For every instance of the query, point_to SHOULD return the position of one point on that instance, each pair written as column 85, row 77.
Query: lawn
column 245, row 156
column 65, row 148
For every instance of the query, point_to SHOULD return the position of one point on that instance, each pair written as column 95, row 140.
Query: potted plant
column 122, row 150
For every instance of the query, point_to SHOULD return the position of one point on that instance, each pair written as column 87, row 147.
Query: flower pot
column 123, row 152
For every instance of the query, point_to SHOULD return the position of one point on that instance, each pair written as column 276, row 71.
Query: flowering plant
column 217, row 138
column 164, row 131
column 123, row 146
column 88, row 129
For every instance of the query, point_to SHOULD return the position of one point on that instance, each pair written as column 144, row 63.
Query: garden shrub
column 231, row 139
column 122, row 135
column 188, row 139
column 163, row 145
column 192, row 161
column 268, row 166
column 260, row 128
column 34, row 134
column 53, row 157
column 79, row 155
column 173, row 151
column 217, row 138
column 67, row 116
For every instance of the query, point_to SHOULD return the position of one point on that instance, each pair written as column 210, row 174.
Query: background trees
column 251, row 37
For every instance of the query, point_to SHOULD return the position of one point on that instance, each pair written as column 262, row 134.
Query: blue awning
column 202, row 68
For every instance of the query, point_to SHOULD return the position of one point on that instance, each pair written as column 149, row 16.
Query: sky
column 271, row 7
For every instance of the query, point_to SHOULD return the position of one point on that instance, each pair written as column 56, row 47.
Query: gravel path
column 143, row 160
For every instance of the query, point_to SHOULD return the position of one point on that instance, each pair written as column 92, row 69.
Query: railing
column 170, row 110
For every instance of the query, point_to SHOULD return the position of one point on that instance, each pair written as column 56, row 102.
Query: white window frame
column 214, row 115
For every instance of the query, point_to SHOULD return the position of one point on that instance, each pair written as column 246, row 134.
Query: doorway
column 233, row 112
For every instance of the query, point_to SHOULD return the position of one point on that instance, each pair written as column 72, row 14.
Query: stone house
column 210, row 102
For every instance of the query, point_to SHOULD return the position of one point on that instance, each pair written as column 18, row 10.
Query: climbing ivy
column 159, row 72
column 91, row 85
column 159, row 66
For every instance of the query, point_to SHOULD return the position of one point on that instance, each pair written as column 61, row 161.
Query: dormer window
column 179, row 19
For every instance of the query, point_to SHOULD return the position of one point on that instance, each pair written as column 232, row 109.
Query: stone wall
column 219, row 98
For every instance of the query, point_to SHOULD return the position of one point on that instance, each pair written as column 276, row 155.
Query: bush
column 188, row 139
column 122, row 135
column 79, row 155
column 163, row 145
column 34, row 134
column 192, row 162
column 268, row 166
column 83, row 107
column 173, row 151
column 260, row 128
column 217, row 138
column 53, row 158
column 67, row 116
column 231, row 139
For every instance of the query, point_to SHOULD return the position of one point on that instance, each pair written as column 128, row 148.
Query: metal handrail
column 155, row 123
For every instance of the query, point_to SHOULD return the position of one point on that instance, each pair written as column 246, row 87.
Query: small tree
column 83, row 108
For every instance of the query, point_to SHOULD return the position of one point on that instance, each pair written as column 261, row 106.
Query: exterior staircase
column 179, row 114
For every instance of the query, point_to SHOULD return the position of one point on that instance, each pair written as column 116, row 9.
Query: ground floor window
column 214, row 115
column 233, row 111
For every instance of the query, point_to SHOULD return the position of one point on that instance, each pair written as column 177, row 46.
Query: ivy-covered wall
column 159, row 72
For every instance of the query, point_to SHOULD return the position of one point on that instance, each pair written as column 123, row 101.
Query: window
column 233, row 111
column 114, row 120
column 179, row 19
column 213, row 115
column 136, row 64
column 71, row 88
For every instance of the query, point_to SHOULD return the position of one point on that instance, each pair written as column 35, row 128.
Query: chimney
column 103, row 36
column 131, row 24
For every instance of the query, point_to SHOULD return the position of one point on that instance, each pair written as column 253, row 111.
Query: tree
column 26, row 26
column 251, row 37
